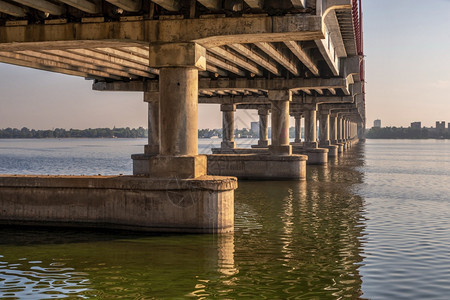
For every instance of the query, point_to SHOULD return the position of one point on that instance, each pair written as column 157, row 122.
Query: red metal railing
column 358, row 23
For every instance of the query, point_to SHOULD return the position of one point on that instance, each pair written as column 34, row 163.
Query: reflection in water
column 115, row 266
column 292, row 240
column 310, row 242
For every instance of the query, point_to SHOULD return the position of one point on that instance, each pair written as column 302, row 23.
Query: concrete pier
column 279, row 100
column 298, row 130
column 228, row 126
column 316, row 155
column 263, row 141
column 201, row 205
column 141, row 161
column 172, row 193
column 324, row 138
column 286, row 57
column 259, row 166
column 274, row 162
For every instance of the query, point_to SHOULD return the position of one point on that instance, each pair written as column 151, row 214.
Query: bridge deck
column 253, row 39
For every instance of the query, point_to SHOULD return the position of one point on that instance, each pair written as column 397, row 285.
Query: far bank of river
column 371, row 225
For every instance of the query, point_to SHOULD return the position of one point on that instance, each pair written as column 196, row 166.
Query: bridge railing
column 358, row 25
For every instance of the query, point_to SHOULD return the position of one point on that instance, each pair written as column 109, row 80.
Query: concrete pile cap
column 215, row 183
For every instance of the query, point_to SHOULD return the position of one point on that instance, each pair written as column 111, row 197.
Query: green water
column 374, row 224
column 292, row 239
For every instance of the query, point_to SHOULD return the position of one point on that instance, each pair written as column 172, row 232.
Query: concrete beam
column 83, row 63
column 303, row 56
column 43, row 5
column 267, row 64
column 131, row 86
column 224, row 65
column 139, row 51
column 99, row 61
column 330, row 5
column 319, row 91
column 13, row 10
column 273, row 84
column 322, row 100
column 61, row 45
column 350, row 66
column 234, row 100
column 211, row 4
column 112, row 59
column 171, row 5
column 40, row 66
column 206, row 32
column 259, row 4
column 337, row 106
column 236, row 60
column 327, row 49
column 298, row 3
column 235, row 84
column 128, row 5
column 253, row 106
column 83, row 5
column 217, row 72
column 177, row 54
column 50, row 65
column 119, row 53
column 270, row 50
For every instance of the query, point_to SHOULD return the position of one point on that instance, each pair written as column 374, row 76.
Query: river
column 373, row 224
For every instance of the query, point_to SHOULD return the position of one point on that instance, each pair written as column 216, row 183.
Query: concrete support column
column 345, row 129
column 263, row 127
column 298, row 128
column 178, row 110
column 324, row 122
column 279, row 100
column 349, row 130
column 228, row 126
column 333, row 129
column 352, row 130
column 361, row 131
column 152, row 98
column 339, row 129
column 311, row 127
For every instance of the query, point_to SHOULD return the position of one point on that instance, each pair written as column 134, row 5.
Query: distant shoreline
column 59, row 133
column 408, row 133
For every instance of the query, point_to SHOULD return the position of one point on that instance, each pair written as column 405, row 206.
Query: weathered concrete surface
column 141, row 164
column 184, row 167
column 203, row 205
column 253, row 150
column 316, row 156
column 258, row 166
column 340, row 147
column 333, row 150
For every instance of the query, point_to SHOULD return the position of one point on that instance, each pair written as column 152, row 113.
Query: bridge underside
column 284, row 57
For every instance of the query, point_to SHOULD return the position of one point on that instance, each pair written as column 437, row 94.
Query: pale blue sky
column 407, row 47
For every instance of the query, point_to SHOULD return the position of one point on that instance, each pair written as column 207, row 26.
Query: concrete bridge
column 300, row 58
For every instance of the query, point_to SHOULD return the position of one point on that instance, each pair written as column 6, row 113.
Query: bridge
column 299, row 58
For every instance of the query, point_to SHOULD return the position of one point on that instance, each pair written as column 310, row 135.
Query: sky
column 407, row 49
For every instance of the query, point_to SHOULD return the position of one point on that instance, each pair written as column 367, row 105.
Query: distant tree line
column 25, row 133
column 406, row 133
column 243, row 133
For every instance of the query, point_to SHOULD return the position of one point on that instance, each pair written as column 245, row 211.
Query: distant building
column 377, row 123
column 254, row 127
column 440, row 125
column 416, row 125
